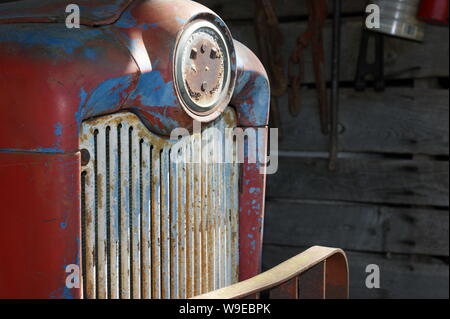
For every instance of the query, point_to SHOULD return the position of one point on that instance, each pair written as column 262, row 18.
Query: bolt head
column 194, row 53
column 214, row 53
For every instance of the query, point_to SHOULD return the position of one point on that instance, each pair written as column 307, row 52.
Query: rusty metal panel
column 336, row 277
column 312, row 283
column 288, row 290
column 154, row 227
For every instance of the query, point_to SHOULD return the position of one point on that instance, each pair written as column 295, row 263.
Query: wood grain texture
column 244, row 10
column 362, row 180
column 400, row 55
column 401, row 276
column 358, row 227
column 400, row 120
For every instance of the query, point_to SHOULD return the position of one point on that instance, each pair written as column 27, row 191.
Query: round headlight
column 204, row 69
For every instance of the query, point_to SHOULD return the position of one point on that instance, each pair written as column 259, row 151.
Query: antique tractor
column 95, row 201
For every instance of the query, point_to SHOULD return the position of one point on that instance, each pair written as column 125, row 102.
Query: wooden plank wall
column 388, row 202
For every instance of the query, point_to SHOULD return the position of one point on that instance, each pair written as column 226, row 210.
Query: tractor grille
column 153, row 227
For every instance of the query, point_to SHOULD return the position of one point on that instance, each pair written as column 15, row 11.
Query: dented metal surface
column 146, row 231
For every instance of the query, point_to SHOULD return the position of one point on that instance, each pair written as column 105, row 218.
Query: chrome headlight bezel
column 208, row 105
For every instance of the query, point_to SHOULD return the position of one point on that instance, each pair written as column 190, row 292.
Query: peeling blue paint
column 90, row 53
column 35, row 150
column 180, row 20
column 53, row 38
column 58, row 129
column 62, row 292
column 253, row 95
column 254, row 190
column 127, row 21
column 79, row 113
column 106, row 97
column 154, row 92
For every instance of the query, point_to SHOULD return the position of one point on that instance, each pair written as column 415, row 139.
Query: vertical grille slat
column 234, row 214
column 190, row 215
column 89, row 218
column 124, row 212
column 165, row 225
column 156, row 224
column 197, row 182
column 204, row 207
column 153, row 227
column 101, row 191
column 174, row 230
column 146, row 230
column 217, row 210
column 182, row 209
column 135, row 214
column 114, row 213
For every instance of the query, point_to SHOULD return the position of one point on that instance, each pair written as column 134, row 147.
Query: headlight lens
column 204, row 69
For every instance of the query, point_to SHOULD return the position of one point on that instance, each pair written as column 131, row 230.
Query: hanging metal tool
column 367, row 68
column 270, row 43
column 313, row 37
column 335, row 94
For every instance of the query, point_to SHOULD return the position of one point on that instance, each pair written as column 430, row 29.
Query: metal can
column 399, row 18
column 434, row 11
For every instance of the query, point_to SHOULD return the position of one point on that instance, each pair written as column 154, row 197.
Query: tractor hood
column 92, row 12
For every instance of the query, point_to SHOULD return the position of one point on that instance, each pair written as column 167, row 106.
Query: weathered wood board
column 400, row 55
column 244, row 9
column 367, row 228
column 400, row 120
column 363, row 180
column 381, row 206
column 405, row 277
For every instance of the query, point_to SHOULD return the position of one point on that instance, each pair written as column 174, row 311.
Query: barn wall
column 388, row 202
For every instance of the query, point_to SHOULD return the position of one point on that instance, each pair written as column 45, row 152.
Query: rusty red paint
column 251, row 216
column 51, row 80
column 97, row 12
column 39, row 237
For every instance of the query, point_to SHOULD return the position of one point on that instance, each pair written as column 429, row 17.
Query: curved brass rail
column 317, row 273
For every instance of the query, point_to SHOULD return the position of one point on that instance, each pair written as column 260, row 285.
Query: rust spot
column 205, row 71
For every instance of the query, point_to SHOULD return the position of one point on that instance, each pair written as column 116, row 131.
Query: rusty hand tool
column 313, row 37
column 335, row 78
column 270, row 42
column 367, row 68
